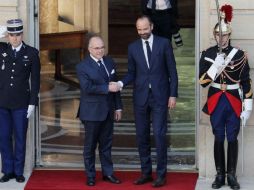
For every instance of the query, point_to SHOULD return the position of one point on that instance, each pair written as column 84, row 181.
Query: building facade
column 94, row 18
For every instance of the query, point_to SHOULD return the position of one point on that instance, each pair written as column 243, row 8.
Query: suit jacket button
column 11, row 84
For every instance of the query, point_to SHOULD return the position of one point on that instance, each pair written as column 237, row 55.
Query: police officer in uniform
column 18, row 98
column 229, row 97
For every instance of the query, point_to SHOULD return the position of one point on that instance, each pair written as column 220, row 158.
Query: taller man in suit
column 98, row 108
column 18, row 98
column 152, row 69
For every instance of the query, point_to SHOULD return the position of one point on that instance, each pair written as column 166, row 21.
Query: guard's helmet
column 225, row 20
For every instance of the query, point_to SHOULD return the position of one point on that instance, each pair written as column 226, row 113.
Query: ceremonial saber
column 220, row 31
column 242, row 126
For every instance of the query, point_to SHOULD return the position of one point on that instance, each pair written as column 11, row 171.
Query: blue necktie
column 102, row 69
column 149, row 52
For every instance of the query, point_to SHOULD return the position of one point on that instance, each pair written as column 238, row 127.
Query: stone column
column 96, row 18
column 48, row 16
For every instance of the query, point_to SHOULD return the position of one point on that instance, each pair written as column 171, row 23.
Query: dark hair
column 145, row 17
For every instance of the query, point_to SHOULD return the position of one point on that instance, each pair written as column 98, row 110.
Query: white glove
column 30, row 110
column 219, row 60
column 217, row 66
column 245, row 115
column 3, row 30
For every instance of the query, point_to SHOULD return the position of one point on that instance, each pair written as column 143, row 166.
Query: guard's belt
column 225, row 86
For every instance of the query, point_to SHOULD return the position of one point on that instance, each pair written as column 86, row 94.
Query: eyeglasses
column 98, row 48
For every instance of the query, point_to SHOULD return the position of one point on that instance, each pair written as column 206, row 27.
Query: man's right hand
column 217, row 66
column 219, row 60
column 3, row 30
column 114, row 87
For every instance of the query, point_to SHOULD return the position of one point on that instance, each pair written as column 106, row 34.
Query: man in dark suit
column 98, row 108
column 164, row 14
column 152, row 69
column 18, row 63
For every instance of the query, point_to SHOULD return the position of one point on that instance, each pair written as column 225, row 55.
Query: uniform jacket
column 95, row 99
column 162, row 74
column 237, row 71
column 15, row 90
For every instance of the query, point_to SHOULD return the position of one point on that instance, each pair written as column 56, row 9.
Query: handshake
column 115, row 86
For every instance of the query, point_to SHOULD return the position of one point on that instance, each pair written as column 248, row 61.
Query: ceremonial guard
column 226, row 70
column 18, row 98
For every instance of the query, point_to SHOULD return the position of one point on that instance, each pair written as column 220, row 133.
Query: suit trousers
column 101, row 133
column 143, row 116
column 13, row 129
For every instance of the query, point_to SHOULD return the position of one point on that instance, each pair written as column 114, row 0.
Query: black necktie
column 149, row 52
column 102, row 69
column 153, row 5
column 14, row 52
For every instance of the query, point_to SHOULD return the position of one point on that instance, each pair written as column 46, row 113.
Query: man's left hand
column 172, row 102
column 118, row 115
column 30, row 110
column 245, row 115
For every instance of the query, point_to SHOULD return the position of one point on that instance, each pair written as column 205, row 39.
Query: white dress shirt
column 160, row 4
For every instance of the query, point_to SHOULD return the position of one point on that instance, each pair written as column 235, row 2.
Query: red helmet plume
column 228, row 10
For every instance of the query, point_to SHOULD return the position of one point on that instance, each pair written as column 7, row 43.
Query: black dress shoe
column 20, row 178
column 159, row 182
column 143, row 179
column 111, row 179
column 7, row 177
column 90, row 181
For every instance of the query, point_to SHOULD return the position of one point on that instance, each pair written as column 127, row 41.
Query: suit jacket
column 162, row 74
column 237, row 70
column 15, row 90
column 96, row 101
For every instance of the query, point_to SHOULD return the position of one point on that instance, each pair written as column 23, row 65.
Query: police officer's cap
column 14, row 26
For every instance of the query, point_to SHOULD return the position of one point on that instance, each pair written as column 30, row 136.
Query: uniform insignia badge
column 4, row 54
column 232, row 65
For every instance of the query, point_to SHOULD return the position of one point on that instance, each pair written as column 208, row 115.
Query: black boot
column 219, row 158
column 232, row 162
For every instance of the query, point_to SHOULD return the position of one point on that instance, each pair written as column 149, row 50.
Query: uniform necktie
column 102, row 69
column 14, row 52
column 149, row 52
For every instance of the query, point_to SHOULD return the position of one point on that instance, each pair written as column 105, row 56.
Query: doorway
column 61, row 133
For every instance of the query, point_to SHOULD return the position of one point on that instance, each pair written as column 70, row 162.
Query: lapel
column 155, row 50
column 97, row 68
column 10, row 52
